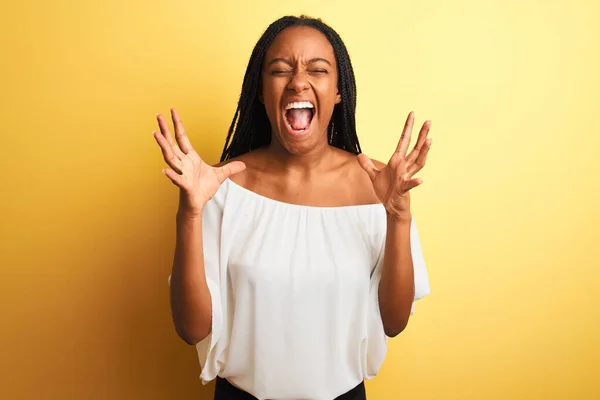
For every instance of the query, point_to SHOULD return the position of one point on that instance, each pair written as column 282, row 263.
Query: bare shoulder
column 255, row 163
column 354, row 176
column 365, row 183
column 352, row 166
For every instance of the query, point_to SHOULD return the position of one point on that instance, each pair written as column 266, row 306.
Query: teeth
column 299, row 104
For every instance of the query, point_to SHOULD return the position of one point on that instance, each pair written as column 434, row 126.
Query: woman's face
column 300, row 88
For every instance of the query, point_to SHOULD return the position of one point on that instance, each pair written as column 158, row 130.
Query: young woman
column 297, row 256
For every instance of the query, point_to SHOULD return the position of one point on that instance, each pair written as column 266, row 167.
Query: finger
column 230, row 169
column 421, row 159
column 413, row 183
column 173, row 176
column 420, row 141
column 166, row 133
column 367, row 164
column 180, row 134
column 406, row 133
column 167, row 152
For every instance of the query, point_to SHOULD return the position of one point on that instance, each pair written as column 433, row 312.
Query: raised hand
column 198, row 181
column 393, row 182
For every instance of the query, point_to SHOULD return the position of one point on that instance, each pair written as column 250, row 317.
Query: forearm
column 191, row 305
column 396, row 288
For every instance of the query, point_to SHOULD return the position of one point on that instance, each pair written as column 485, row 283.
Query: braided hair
column 250, row 128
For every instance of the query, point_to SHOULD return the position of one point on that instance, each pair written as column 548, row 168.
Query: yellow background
column 508, row 212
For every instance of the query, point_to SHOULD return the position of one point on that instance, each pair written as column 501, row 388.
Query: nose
column 299, row 82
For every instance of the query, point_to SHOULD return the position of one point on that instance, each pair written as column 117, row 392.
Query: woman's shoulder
column 343, row 177
column 351, row 174
column 254, row 161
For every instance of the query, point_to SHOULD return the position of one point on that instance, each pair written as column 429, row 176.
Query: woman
column 297, row 256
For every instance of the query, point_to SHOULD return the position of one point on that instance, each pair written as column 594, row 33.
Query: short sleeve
column 212, row 219
column 420, row 274
column 377, row 340
column 422, row 288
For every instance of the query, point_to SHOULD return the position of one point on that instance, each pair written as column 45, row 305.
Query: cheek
column 329, row 89
column 271, row 96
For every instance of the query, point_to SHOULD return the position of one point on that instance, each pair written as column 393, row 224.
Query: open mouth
column 299, row 115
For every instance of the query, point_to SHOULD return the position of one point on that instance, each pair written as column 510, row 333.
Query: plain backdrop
column 508, row 211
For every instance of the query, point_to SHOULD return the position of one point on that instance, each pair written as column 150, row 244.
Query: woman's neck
column 302, row 166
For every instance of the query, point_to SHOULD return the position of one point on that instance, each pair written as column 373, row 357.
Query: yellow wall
column 508, row 212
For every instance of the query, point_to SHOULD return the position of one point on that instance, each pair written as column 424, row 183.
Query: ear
column 338, row 98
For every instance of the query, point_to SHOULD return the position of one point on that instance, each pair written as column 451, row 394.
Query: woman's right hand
column 198, row 181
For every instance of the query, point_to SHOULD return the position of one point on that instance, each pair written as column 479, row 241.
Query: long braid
column 250, row 128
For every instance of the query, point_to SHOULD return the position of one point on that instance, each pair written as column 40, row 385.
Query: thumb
column 232, row 168
column 367, row 164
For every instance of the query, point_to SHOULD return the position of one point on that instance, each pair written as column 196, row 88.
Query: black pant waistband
column 224, row 390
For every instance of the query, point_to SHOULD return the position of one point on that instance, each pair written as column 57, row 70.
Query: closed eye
column 280, row 72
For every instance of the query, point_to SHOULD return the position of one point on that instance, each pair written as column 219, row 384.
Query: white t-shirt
column 294, row 293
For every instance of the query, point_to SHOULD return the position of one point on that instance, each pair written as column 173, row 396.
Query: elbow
column 192, row 336
column 394, row 329
column 190, row 325
column 190, row 341
column 393, row 332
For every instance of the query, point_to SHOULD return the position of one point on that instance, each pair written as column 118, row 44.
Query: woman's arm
column 392, row 183
column 191, row 305
column 396, row 288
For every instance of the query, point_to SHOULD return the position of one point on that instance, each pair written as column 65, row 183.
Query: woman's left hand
column 393, row 181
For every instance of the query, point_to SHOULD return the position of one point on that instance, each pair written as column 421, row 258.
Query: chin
column 301, row 144
column 297, row 147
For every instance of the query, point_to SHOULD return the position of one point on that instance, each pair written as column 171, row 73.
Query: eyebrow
column 288, row 62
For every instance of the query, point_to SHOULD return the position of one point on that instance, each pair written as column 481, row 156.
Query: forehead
column 301, row 42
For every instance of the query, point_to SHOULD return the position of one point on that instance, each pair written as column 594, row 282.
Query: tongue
column 299, row 118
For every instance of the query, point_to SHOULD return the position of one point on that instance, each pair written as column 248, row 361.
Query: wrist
column 399, row 218
column 187, row 214
column 189, row 208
